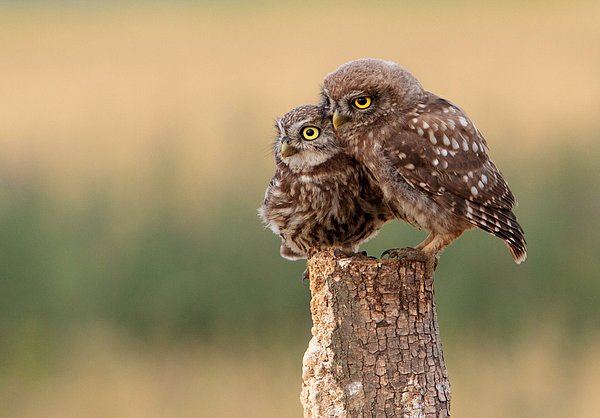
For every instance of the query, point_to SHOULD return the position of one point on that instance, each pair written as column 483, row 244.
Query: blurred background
column 135, row 277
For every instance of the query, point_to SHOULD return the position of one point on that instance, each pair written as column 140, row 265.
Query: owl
column 319, row 197
column 428, row 158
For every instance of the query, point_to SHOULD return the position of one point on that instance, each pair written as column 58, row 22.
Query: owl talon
column 305, row 276
column 344, row 253
column 412, row 254
column 406, row 253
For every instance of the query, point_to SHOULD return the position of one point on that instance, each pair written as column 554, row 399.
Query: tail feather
column 501, row 223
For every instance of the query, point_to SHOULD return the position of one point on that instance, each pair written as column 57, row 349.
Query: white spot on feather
column 474, row 191
column 475, row 146
column 455, row 144
column 463, row 121
column 432, row 137
column 409, row 166
column 446, row 140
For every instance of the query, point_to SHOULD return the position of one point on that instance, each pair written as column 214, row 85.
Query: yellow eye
column 362, row 102
column 310, row 133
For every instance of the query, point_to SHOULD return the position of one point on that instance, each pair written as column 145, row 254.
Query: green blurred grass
column 63, row 267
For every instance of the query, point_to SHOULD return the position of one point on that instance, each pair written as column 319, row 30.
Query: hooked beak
column 286, row 149
column 339, row 120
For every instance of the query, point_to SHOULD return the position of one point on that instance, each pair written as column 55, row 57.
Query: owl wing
column 440, row 151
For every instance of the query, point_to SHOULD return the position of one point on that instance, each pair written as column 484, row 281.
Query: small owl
column 427, row 156
column 319, row 197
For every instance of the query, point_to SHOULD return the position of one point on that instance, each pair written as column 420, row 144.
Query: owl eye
column 362, row 102
column 310, row 133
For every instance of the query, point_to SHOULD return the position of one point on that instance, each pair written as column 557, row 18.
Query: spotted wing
column 439, row 150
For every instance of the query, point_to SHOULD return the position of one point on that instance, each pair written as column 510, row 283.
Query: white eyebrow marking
column 280, row 126
column 296, row 126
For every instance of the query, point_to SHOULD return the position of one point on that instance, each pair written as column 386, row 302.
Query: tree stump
column 375, row 350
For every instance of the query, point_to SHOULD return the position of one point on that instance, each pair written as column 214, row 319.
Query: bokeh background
column 135, row 277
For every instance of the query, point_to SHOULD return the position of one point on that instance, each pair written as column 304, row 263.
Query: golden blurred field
column 137, row 124
column 99, row 92
column 102, row 375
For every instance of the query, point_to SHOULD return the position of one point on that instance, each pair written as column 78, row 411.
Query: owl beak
column 338, row 119
column 286, row 149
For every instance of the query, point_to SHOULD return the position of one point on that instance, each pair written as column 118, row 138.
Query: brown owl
column 319, row 197
column 427, row 156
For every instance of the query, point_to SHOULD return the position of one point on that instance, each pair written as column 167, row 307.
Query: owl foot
column 350, row 254
column 412, row 254
column 343, row 253
column 305, row 276
column 406, row 253
column 365, row 254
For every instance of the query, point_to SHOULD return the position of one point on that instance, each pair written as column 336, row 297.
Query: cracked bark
column 375, row 350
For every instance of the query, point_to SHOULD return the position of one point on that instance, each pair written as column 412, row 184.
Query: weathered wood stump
column 375, row 350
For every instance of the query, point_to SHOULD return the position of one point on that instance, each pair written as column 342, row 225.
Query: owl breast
column 330, row 207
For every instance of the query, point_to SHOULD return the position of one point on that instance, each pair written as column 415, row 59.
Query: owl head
column 367, row 90
column 305, row 139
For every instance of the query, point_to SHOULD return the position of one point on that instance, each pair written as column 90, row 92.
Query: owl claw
column 365, row 254
column 305, row 276
column 406, row 253
column 350, row 254
column 411, row 254
column 344, row 253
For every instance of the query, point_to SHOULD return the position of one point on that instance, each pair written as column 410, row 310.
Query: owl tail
column 503, row 224
column 518, row 250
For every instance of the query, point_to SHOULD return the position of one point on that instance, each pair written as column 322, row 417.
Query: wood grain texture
column 375, row 350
